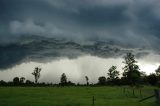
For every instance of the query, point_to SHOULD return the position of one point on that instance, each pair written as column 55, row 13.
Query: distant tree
column 143, row 74
column 78, row 84
column 36, row 74
column 69, row 83
column 2, row 83
column 131, row 70
column 158, row 75
column 152, row 79
column 10, row 83
column 29, row 83
column 143, row 77
column 16, row 81
column 113, row 74
column 102, row 80
column 158, row 71
column 87, row 79
column 22, row 80
column 63, row 79
column 44, row 84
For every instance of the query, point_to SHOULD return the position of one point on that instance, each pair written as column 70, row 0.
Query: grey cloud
column 127, row 23
column 31, row 28
column 41, row 49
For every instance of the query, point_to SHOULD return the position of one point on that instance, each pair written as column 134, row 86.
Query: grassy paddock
column 73, row 96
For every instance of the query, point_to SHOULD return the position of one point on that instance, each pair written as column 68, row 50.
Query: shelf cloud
column 114, row 27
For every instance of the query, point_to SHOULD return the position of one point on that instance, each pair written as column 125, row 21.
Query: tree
column 16, row 81
column 113, row 74
column 158, row 71
column 29, row 83
column 87, row 79
column 69, row 83
column 131, row 69
column 63, row 79
column 22, row 80
column 36, row 74
column 152, row 79
column 2, row 83
column 102, row 80
column 143, row 77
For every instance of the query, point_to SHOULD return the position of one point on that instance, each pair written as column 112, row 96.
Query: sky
column 53, row 32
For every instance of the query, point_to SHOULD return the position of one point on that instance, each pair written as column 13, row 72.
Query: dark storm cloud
column 127, row 23
column 41, row 49
column 121, row 20
column 102, row 16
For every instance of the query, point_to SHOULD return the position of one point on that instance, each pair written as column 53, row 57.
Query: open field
column 73, row 96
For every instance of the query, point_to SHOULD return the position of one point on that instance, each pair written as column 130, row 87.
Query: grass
column 73, row 96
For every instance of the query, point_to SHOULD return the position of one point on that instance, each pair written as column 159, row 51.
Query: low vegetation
column 74, row 96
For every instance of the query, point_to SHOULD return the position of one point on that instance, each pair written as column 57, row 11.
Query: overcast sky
column 127, row 21
column 129, row 24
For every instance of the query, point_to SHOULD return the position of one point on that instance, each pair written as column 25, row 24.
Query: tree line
column 131, row 76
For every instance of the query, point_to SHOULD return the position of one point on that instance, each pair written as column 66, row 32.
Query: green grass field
column 73, row 96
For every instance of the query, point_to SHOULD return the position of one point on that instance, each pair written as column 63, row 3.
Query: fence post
column 157, row 94
column 93, row 99
column 140, row 91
